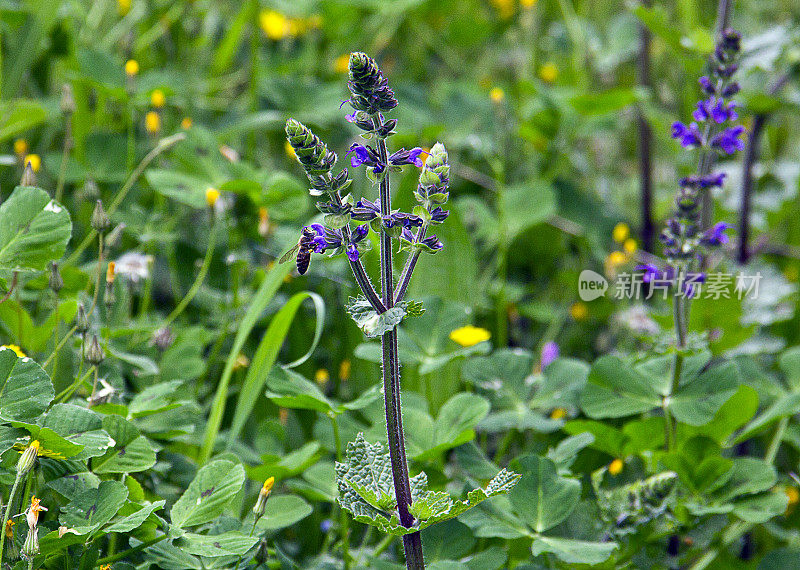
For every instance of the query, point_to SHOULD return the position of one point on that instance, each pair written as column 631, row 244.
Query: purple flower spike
column 404, row 156
column 550, row 352
column 715, row 235
column 352, row 253
column 728, row 141
column 360, row 155
column 650, row 272
column 708, row 87
column 689, row 135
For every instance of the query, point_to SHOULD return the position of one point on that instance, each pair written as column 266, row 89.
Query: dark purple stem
column 645, row 141
column 412, row 543
column 751, row 155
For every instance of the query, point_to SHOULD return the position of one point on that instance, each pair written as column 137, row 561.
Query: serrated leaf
column 367, row 492
column 33, row 230
column 369, row 321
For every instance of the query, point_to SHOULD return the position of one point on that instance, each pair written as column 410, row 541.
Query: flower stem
column 645, row 141
column 11, row 497
column 127, row 553
column 344, row 522
column 412, row 543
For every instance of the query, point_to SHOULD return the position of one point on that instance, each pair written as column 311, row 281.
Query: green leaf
column 25, row 388
column 610, row 101
column 131, row 516
column 748, row 477
column 369, row 321
column 283, row 511
column 33, row 230
column 79, row 426
column 267, row 353
column 542, row 498
column 131, row 453
column 696, row 402
column 289, row 389
column 94, row 508
column 213, row 545
column 761, row 508
column 261, row 299
column 573, row 551
column 208, row 494
column 615, row 390
column 367, row 492
column 518, row 213
column 19, row 116
column 785, row 406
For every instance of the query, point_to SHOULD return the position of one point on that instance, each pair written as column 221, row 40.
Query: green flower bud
column 28, row 458
column 261, row 503
column 100, row 221
column 312, row 153
column 95, row 353
column 81, row 320
column 31, row 547
column 28, row 176
column 56, row 282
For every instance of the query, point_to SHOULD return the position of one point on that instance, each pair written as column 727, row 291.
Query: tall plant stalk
column 645, row 141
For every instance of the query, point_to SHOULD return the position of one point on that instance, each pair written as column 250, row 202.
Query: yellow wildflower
column 186, row 123
column 548, row 72
column 615, row 260
column 9, row 529
column 497, row 94
column 504, row 7
column 615, row 467
column 621, row 232
column 152, row 122
column 342, row 63
column 528, row 3
column 321, row 376
column 793, row 496
column 131, row 67
column 15, row 349
column 158, row 99
column 123, row 7
column 32, row 514
column 274, row 24
column 344, row 370
column 20, row 147
column 34, row 160
column 469, row 335
column 630, row 246
column 111, row 272
column 212, row 195
column 579, row 311
column 558, row 414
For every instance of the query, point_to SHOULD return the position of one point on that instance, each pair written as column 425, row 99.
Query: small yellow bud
column 469, row 335
column 9, row 530
column 629, row 246
column 268, row 484
column 793, row 497
column 34, row 160
column 20, row 147
column 158, row 99
column 123, row 7
column 615, row 467
column 131, row 67
column 342, row 63
column 344, row 370
column 621, row 232
column 528, row 3
column 15, row 349
column 263, row 222
column 186, row 123
column 579, row 311
column 321, row 376
column 615, row 259
column 558, row 414
column 111, row 272
column 548, row 72
column 497, row 95
column 274, row 24
column 212, row 195
column 152, row 122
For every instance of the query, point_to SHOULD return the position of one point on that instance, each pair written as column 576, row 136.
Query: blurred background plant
column 172, row 114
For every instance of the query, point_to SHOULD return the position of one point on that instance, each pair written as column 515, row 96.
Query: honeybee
column 302, row 251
